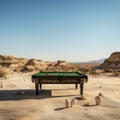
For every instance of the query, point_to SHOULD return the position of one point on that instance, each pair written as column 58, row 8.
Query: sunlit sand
column 50, row 103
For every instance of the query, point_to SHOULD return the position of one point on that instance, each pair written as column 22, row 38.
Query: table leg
column 36, row 87
column 76, row 86
column 40, row 86
column 81, row 89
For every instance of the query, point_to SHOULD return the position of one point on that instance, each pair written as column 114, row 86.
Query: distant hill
column 97, row 61
column 113, row 62
column 17, row 64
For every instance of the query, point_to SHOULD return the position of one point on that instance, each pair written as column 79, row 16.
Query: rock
column 67, row 103
column 98, row 99
column 86, row 104
column 113, row 62
column 73, row 101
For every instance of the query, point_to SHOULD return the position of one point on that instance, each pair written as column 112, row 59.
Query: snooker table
column 59, row 78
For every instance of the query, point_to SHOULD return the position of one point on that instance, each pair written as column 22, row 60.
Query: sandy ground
column 50, row 103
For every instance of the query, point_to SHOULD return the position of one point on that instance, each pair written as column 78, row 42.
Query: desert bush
column 16, row 70
column 3, row 72
column 84, row 70
column 116, row 74
column 108, row 71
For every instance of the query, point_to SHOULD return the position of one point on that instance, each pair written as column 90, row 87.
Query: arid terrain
column 50, row 103
column 15, row 78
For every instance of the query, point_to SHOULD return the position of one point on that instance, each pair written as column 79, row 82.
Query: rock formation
column 34, row 64
column 113, row 62
column 17, row 64
column 98, row 99
column 11, row 61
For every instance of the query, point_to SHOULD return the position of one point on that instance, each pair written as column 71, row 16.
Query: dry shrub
column 108, row 71
column 50, row 65
column 84, row 70
column 3, row 72
column 16, row 70
column 116, row 74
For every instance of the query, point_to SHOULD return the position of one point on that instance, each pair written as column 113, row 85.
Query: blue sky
column 71, row 30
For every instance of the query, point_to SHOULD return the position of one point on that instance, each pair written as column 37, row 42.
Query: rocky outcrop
column 34, row 64
column 11, row 61
column 17, row 64
column 113, row 62
column 61, row 63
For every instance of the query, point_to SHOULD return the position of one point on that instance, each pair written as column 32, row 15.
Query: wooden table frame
column 51, row 79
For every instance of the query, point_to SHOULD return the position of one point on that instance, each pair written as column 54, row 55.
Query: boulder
column 113, row 62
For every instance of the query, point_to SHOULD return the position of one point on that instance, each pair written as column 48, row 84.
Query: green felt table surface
column 58, row 74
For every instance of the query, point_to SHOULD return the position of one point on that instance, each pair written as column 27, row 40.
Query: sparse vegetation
column 108, row 71
column 116, row 74
column 25, row 65
column 3, row 72
column 84, row 70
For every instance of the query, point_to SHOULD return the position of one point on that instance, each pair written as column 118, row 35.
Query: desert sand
column 50, row 103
